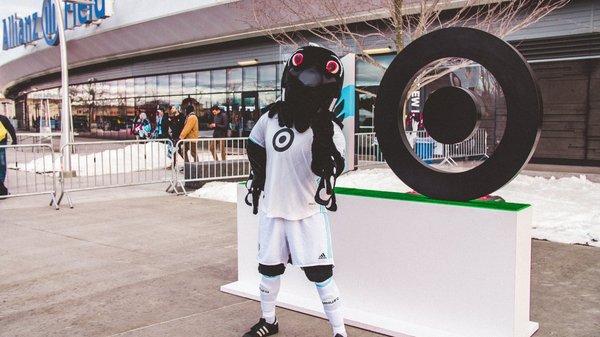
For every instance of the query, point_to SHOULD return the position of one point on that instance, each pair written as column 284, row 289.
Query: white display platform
column 412, row 266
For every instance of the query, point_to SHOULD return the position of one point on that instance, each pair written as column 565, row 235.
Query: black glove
column 257, row 155
column 327, row 162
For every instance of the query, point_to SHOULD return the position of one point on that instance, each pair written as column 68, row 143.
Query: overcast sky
column 22, row 7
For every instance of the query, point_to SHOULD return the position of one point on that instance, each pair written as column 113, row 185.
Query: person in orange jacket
column 190, row 131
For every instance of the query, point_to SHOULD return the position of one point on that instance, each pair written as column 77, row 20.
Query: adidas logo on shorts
column 323, row 256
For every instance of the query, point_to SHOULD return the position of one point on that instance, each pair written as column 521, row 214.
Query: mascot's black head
column 312, row 80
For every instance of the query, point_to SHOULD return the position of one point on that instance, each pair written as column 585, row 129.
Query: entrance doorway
column 250, row 111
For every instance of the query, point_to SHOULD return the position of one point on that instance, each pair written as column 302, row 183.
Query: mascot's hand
column 257, row 155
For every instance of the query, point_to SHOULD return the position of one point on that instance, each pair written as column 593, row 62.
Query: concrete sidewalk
column 152, row 266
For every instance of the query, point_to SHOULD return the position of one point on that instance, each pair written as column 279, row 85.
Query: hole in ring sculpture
column 448, row 104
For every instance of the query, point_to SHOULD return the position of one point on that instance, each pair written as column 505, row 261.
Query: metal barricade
column 475, row 147
column 209, row 159
column 30, row 169
column 109, row 164
column 367, row 150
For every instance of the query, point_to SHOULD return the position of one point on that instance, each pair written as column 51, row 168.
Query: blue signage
column 19, row 31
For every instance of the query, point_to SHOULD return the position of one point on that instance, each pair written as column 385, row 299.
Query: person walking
column 190, row 131
column 220, row 124
column 6, row 129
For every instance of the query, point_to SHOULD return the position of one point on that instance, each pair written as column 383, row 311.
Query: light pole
column 66, row 121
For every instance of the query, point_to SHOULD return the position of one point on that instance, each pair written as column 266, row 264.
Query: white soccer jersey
column 290, row 184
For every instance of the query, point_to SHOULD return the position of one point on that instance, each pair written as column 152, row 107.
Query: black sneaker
column 3, row 191
column 262, row 329
column 338, row 335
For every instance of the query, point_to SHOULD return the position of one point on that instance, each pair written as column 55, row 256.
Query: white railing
column 109, row 164
column 367, row 151
column 29, row 171
column 209, row 159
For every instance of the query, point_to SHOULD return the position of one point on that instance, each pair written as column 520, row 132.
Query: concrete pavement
column 152, row 266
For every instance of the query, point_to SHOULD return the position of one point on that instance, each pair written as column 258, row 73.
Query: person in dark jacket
column 220, row 125
column 6, row 129
column 176, row 123
column 162, row 125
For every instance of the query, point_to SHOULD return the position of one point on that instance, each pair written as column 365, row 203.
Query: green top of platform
column 496, row 205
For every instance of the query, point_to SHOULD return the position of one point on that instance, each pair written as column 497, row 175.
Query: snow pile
column 217, row 190
column 132, row 158
column 565, row 210
column 379, row 179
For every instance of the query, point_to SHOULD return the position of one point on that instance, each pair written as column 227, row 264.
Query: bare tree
column 356, row 26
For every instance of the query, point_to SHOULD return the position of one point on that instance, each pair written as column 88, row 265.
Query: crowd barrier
column 109, row 164
column 210, row 159
column 29, row 170
column 367, row 151
column 36, row 169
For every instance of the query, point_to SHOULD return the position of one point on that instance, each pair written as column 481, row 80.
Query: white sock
column 269, row 288
column 330, row 297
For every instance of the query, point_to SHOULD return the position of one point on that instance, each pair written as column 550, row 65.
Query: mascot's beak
column 310, row 78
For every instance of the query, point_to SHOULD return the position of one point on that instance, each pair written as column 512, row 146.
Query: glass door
column 249, row 113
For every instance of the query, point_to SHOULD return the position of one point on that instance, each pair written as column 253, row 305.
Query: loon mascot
column 296, row 151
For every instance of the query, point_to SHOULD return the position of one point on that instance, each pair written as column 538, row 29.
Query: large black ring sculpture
column 523, row 103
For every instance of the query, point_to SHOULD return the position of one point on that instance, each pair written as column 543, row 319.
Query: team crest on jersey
column 283, row 139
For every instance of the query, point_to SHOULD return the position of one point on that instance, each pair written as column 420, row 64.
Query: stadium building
column 128, row 57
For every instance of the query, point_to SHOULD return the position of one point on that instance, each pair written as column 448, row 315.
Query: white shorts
column 306, row 241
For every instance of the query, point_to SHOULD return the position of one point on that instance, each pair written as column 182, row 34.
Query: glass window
column 121, row 89
column 189, row 83
column 217, row 80
column 234, row 102
column 103, row 90
column 265, row 98
column 267, row 77
column 204, row 101
column 234, row 79
column 151, row 88
column 129, row 87
column 366, row 106
column 139, row 101
column 203, row 82
column 113, row 88
column 89, row 91
column 176, row 87
column 250, row 75
column 220, row 100
column 176, row 99
column 140, row 86
column 368, row 74
column 162, row 85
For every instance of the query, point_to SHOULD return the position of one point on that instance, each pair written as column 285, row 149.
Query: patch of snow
column 217, row 190
column 565, row 210
column 379, row 179
column 131, row 158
